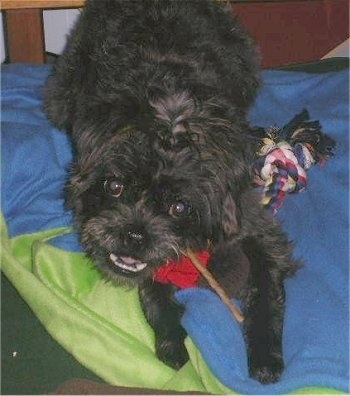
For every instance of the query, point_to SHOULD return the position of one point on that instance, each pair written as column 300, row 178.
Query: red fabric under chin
column 183, row 273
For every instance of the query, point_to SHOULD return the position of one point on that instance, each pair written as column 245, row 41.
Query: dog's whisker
column 176, row 249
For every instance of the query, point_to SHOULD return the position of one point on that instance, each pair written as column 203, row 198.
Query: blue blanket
column 35, row 163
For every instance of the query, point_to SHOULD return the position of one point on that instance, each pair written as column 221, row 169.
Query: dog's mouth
column 126, row 265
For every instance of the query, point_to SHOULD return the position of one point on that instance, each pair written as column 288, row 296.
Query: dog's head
column 146, row 194
column 155, row 95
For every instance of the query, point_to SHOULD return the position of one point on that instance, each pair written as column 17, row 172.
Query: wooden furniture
column 287, row 31
column 25, row 29
column 295, row 31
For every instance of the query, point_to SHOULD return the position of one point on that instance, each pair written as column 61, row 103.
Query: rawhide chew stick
column 215, row 285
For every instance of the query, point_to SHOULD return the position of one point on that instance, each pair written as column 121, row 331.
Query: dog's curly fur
column 155, row 95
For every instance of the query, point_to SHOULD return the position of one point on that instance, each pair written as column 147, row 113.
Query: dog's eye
column 179, row 209
column 113, row 187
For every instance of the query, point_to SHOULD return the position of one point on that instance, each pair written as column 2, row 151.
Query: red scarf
column 183, row 273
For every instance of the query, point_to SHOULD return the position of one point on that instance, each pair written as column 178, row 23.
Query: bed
column 62, row 321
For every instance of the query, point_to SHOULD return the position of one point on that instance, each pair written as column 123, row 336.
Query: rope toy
column 286, row 154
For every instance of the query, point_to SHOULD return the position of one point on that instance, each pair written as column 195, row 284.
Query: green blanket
column 95, row 313
column 78, row 307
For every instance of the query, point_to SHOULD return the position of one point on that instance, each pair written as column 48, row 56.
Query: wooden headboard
column 25, row 28
column 287, row 31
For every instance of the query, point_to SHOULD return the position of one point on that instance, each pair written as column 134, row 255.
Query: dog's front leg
column 164, row 315
column 263, row 302
column 245, row 270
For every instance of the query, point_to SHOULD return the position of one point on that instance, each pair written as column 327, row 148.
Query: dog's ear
column 230, row 217
column 74, row 189
column 59, row 100
column 65, row 83
column 228, row 264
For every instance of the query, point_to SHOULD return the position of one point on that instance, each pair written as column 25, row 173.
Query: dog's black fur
column 155, row 95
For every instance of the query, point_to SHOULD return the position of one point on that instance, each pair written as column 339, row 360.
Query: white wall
column 57, row 24
column 2, row 41
column 342, row 49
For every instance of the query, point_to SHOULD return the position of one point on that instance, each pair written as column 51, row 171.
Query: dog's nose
column 136, row 237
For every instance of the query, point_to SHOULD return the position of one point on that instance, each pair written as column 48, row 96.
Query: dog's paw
column 172, row 354
column 268, row 371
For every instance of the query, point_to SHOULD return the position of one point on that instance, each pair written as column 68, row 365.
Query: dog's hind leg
column 164, row 314
column 263, row 302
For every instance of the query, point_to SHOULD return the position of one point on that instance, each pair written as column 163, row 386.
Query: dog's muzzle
column 125, row 265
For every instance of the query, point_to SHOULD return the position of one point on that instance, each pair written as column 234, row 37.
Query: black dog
column 155, row 95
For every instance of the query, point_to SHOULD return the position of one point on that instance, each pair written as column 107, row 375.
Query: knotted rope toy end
column 285, row 154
